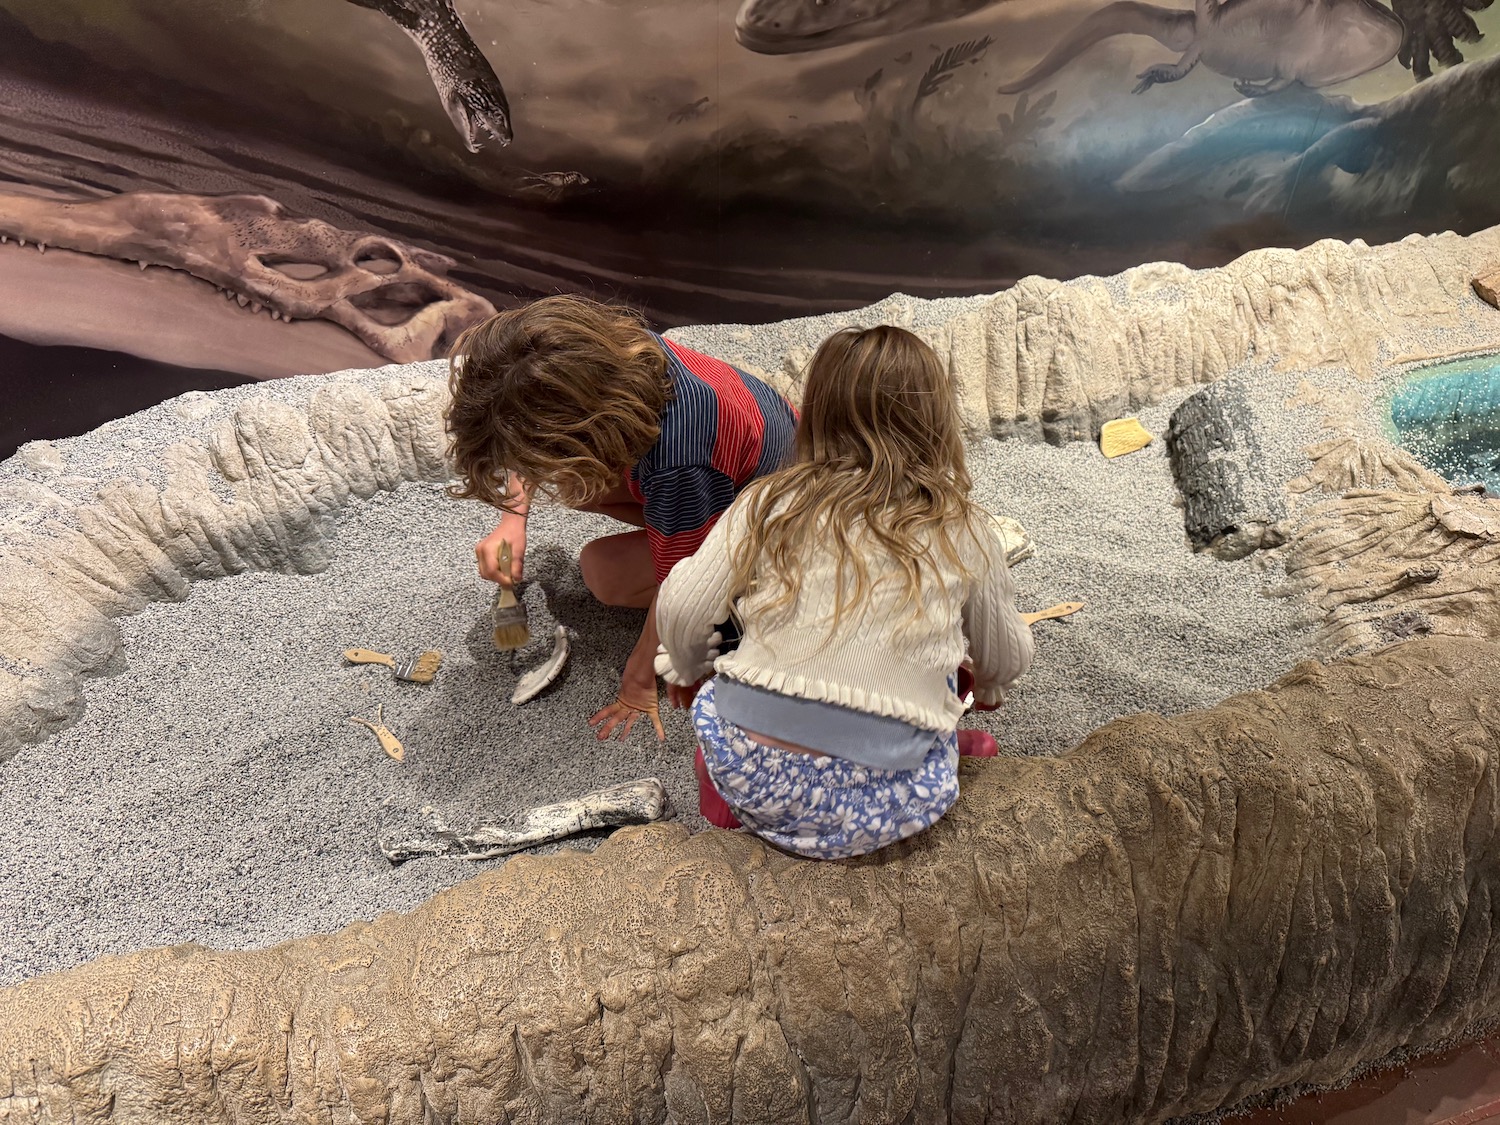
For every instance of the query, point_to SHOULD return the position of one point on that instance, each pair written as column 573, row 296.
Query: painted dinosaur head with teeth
column 392, row 296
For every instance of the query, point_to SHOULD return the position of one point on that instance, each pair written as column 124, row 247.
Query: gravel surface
column 215, row 791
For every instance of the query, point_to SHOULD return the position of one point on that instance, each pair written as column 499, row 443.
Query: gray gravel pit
column 215, row 791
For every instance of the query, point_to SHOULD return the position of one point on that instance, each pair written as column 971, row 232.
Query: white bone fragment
column 534, row 682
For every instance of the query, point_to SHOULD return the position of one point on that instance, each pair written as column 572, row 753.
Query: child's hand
column 637, row 697
column 512, row 530
column 623, row 713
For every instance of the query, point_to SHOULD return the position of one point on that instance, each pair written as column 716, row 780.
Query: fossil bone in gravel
column 391, row 295
column 635, row 802
column 1017, row 540
column 388, row 741
column 1176, row 915
column 538, row 679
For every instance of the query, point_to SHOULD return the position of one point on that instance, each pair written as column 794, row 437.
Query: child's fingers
column 621, row 716
column 661, row 731
column 517, row 562
column 486, row 560
column 604, row 721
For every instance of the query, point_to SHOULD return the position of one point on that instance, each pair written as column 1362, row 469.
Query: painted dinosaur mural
column 1264, row 45
column 465, row 81
column 806, row 156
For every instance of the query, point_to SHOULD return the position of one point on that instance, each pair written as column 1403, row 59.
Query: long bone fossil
column 634, row 802
column 1176, row 915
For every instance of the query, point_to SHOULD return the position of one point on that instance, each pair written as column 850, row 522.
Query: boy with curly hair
column 582, row 402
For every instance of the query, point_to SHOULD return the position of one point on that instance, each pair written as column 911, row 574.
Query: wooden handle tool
column 1062, row 609
column 506, row 598
column 388, row 741
column 510, row 630
column 368, row 656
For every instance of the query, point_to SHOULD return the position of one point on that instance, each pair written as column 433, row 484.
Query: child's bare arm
column 1000, row 641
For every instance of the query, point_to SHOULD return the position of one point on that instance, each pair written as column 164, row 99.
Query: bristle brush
column 508, row 617
column 418, row 669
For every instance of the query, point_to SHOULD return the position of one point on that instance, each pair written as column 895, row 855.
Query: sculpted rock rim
column 1178, row 914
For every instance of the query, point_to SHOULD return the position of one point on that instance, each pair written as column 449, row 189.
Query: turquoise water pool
column 1448, row 417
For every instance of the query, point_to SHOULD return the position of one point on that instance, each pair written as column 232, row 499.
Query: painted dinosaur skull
column 391, row 295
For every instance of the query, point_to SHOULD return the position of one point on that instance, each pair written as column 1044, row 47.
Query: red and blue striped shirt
column 721, row 429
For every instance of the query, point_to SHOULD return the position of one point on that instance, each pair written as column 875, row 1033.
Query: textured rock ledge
column 1385, row 549
column 1176, row 915
column 1055, row 360
column 256, row 495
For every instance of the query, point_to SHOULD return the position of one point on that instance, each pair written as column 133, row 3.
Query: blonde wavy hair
column 878, row 461
column 564, row 391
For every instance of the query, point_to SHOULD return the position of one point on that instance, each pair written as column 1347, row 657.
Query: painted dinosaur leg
column 1176, row 915
column 1205, row 13
column 1248, row 89
column 1172, row 29
column 1167, row 72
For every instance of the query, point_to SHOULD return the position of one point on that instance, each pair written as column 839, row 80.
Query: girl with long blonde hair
column 860, row 576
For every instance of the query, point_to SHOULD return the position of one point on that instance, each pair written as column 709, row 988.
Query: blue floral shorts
column 822, row 807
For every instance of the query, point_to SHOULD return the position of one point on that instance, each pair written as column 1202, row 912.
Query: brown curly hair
column 566, row 392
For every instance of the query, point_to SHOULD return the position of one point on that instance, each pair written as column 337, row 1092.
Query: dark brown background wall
column 802, row 161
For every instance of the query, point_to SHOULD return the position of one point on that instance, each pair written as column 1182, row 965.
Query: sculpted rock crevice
column 1385, row 548
column 259, row 495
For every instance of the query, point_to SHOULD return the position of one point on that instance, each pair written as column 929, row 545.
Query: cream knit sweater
column 881, row 661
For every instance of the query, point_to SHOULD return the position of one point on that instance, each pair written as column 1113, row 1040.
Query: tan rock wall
column 1176, row 915
column 1055, row 360
column 257, row 496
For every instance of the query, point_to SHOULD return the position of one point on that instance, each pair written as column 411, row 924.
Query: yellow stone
column 1123, row 435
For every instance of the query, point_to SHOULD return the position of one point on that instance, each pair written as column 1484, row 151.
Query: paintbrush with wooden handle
column 508, row 617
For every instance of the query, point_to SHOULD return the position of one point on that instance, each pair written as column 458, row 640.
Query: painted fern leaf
column 944, row 66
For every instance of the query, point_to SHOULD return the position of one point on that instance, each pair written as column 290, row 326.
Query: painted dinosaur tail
column 1172, row 29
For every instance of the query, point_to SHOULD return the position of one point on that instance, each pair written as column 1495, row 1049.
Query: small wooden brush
column 508, row 616
column 417, row 669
